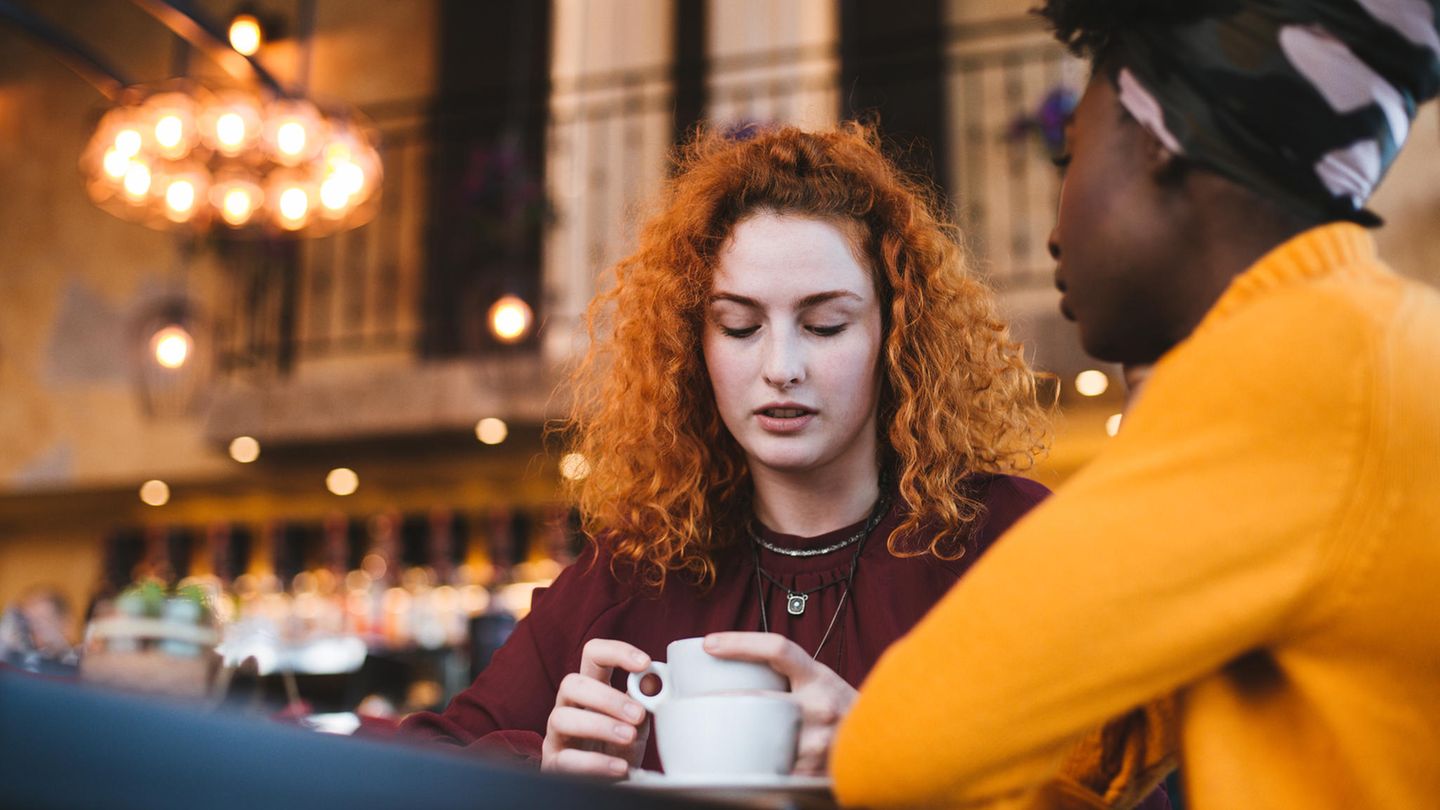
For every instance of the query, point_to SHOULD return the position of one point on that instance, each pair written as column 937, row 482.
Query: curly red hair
column 668, row 485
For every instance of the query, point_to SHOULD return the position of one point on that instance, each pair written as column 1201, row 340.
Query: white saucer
column 653, row 780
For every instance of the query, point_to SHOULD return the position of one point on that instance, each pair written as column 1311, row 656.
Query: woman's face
column 792, row 341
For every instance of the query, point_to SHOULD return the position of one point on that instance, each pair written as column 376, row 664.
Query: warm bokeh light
column 180, row 198
column 155, row 493
column 491, row 430
column 510, row 319
column 290, row 138
column 115, row 163
column 169, row 131
column 574, row 467
column 230, row 130
column 244, row 449
column 342, row 481
column 294, row 206
column 334, row 195
column 1092, row 383
column 137, row 179
column 1112, row 425
column 245, row 34
column 171, row 347
column 127, row 142
column 237, row 203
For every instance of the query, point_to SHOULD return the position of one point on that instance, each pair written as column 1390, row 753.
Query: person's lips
column 784, row 417
column 1064, row 303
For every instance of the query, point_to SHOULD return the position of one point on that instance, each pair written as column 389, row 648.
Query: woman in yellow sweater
column 1247, row 575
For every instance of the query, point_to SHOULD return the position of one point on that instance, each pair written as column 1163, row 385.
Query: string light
column 1112, row 425
column 245, row 34
column 510, row 319
column 574, row 467
column 171, row 347
column 1092, row 383
column 244, row 449
column 155, row 493
column 491, row 430
column 342, row 481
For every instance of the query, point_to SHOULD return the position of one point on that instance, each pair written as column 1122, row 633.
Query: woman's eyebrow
column 807, row 302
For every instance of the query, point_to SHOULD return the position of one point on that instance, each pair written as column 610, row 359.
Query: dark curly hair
column 1089, row 28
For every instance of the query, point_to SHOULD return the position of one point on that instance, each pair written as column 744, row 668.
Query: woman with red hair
column 802, row 412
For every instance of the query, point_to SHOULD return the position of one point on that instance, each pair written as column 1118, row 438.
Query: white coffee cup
column 728, row 735
column 689, row 671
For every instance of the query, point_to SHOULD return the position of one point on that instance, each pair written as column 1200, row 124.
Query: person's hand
column 824, row 697
column 595, row 729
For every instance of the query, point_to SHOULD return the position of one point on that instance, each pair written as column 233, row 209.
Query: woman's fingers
column 601, row 656
column 596, row 697
column 589, row 763
column 572, row 724
column 813, row 751
column 783, row 655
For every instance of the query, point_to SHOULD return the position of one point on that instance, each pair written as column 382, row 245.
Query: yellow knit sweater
column 1258, row 549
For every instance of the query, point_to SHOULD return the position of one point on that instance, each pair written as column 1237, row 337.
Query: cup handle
column 650, row 702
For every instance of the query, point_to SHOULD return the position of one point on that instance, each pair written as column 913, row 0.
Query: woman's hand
column 595, row 729
column 824, row 697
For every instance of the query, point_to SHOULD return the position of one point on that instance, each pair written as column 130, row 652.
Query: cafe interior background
column 304, row 343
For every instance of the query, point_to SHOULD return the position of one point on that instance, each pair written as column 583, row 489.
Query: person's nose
column 784, row 360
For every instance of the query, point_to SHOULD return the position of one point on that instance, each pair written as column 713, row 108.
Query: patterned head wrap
column 1305, row 101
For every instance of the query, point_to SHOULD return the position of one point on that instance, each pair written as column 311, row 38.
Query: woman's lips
column 784, row 424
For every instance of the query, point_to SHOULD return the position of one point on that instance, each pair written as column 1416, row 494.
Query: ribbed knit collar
column 1341, row 248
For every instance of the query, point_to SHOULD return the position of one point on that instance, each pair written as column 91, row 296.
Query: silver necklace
column 795, row 602
column 875, row 510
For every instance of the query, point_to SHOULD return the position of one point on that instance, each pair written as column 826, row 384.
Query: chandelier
column 184, row 155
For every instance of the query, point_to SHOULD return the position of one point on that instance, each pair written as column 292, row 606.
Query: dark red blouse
column 505, row 710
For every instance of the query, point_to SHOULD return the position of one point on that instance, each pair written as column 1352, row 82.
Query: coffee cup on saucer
column 719, row 717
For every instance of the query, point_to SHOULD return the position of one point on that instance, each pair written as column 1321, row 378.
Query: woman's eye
column 826, row 331
column 738, row 333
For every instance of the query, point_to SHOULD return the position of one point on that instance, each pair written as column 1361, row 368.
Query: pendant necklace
column 795, row 601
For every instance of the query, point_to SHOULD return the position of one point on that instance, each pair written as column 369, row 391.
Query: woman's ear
column 1165, row 166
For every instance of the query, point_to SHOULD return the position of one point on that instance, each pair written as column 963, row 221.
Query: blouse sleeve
column 503, row 714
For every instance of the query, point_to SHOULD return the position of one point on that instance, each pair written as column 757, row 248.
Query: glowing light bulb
column 290, row 138
column 245, row 34
column 244, row 449
column 1092, row 383
column 294, row 207
column 127, row 142
column 116, row 163
column 237, row 205
column 1112, row 425
column 574, row 467
column 342, row 481
column 491, row 430
column 155, row 493
column 180, row 198
column 351, row 175
column 171, row 347
column 230, row 130
column 137, row 179
column 510, row 319
column 169, row 131
column 334, row 194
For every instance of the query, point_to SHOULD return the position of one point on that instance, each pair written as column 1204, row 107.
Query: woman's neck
column 807, row 505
